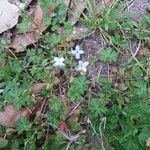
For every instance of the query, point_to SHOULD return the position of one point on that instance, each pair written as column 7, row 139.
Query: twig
column 133, row 57
column 108, row 75
column 68, row 145
column 64, row 134
column 120, row 28
column 74, row 109
column 136, row 52
column 103, row 122
column 89, row 122
column 12, row 53
column 75, row 138
column 131, row 3
column 30, row 40
column 100, row 70
column 114, row 3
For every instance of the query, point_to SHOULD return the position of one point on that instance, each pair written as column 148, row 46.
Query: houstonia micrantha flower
column 59, row 62
column 77, row 52
column 83, row 66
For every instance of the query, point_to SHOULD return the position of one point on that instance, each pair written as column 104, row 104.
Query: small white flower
column 1, row 91
column 83, row 66
column 77, row 52
column 59, row 62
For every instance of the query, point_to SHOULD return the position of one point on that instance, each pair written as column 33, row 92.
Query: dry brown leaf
column 78, row 33
column 37, row 87
column 9, row 13
column 38, row 19
column 102, row 4
column 67, row 2
column 11, row 115
column 21, row 41
column 78, row 6
column 77, row 9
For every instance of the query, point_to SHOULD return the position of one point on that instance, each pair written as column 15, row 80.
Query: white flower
column 77, row 52
column 83, row 66
column 59, row 62
column 1, row 91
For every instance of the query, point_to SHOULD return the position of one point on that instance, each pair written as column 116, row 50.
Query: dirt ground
column 95, row 42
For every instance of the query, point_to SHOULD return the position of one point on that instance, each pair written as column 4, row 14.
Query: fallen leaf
column 67, row 2
column 78, row 33
column 77, row 10
column 9, row 13
column 102, row 4
column 21, row 41
column 38, row 19
column 37, row 87
column 78, row 6
column 11, row 115
column 3, row 143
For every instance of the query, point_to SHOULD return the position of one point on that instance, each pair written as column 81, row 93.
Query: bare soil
column 94, row 43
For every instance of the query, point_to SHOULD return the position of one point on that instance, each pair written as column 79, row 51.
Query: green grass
column 116, row 115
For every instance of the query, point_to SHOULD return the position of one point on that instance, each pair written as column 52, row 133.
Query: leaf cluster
column 78, row 88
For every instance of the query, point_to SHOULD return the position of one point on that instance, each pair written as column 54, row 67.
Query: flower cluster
column 77, row 52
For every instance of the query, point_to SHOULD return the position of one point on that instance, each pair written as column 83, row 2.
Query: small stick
column 136, row 52
column 71, row 113
column 108, row 71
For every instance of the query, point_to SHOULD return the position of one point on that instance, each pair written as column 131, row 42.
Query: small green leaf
column 3, row 143
column 108, row 55
column 23, row 125
column 78, row 87
column 96, row 108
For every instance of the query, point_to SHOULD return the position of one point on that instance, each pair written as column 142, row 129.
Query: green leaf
column 108, row 55
column 78, row 88
column 96, row 108
column 68, row 27
column 144, row 134
column 3, row 143
column 54, row 115
column 23, row 125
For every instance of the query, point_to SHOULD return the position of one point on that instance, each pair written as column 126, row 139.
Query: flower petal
column 55, row 64
column 56, row 59
column 84, row 69
column 85, row 64
column 81, row 52
column 58, row 64
column 77, row 56
column 80, row 62
column 79, row 68
column 61, row 59
column 62, row 65
column 77, row 48
column 73, row 52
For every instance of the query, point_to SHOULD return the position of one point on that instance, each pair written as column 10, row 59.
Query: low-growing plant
column 77, row 113
column 108, row 55
column 78, row 88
